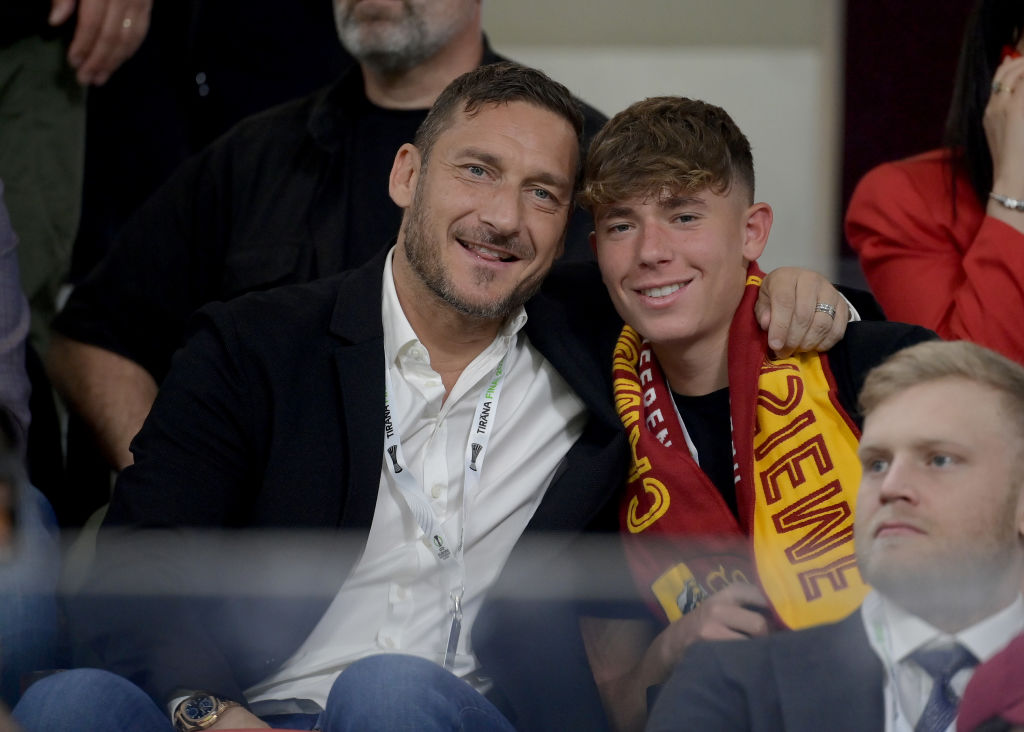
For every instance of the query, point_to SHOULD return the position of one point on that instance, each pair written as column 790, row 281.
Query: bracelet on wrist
column 1014, row 204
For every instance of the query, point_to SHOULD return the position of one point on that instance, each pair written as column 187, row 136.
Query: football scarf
column 796, row 473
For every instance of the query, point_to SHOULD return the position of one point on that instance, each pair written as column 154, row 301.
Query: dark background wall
column 900, row 59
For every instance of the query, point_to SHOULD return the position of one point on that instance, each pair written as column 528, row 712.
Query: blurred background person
column 940, row 236
column 202, row 67
column 49, row 54
column 28, row 541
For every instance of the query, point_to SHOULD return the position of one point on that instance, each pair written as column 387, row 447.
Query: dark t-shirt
column 372, row 149
column 707, row 422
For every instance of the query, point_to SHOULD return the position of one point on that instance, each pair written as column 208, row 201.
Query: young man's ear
column 756, row 229
column 1020, row 512
column 404, row 175
column 593, row 242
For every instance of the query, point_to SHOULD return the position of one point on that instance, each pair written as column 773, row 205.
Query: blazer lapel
column 581, row 353
column 834, row 683
column 359, row 357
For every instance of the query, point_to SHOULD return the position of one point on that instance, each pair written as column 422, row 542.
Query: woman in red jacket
column 941, row 235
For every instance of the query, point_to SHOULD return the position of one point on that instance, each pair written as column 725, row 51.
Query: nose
column 898, row 483
column 502, row 209
column 652, row 249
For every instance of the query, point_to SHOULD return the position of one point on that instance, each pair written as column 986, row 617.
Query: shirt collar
column 908, row 632
column 398, row 333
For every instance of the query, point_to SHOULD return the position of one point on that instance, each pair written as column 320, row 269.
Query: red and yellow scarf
column 796, row 472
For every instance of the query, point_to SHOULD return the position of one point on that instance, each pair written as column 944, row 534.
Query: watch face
column 198, row 707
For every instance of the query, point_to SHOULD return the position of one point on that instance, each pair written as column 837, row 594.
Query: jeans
column 387, row 693
column 28, row 581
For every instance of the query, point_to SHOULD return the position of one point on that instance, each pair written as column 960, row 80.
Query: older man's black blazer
column 270, row 421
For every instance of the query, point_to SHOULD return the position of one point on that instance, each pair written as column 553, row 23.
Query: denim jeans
column 28, row 581
column 386, row 693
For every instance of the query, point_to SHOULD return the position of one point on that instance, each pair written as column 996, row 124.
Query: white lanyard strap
column 476, row 451
column 450, row 556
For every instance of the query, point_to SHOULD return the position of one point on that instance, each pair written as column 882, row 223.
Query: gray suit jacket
column 823, row 678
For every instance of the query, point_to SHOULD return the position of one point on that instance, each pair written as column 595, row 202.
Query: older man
column 290, row 195
column 938, row 536
column 367, row 402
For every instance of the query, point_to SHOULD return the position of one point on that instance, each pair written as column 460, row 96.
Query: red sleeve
column 961, row 279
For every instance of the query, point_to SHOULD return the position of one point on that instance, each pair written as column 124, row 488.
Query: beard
column 390, row 44
column 426, row 263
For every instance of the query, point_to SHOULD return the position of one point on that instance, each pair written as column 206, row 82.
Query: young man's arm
column 627, row 663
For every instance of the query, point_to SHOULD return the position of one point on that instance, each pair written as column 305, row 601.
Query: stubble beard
column 953, row 581
column 427, row 264
column 391, row 45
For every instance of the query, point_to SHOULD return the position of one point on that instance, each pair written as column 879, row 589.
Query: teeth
column 488, row 252
column 660, row 291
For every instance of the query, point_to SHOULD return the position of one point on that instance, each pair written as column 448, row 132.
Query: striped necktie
column 942, row 664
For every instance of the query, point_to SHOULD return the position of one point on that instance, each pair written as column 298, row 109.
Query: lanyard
column 449, row 554
column 896, row 717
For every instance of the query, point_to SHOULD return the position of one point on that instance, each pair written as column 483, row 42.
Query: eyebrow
column 676, row 201
column 622, row 210
column 615, row 212
column 925, row 444
column 493, row 160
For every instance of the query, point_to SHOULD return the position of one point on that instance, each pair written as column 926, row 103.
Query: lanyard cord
column 450, row 556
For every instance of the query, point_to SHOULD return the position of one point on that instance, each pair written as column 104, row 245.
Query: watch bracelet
column 181, row 724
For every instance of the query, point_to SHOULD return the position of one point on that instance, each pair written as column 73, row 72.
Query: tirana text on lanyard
column 449, row 551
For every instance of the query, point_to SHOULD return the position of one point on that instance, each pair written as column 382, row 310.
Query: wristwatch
column 200, row 711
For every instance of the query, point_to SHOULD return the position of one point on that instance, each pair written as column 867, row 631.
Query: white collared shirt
column 894, row 634
column 395, row 599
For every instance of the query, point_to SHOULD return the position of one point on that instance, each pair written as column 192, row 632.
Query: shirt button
column 204, row 88
column 436, row 491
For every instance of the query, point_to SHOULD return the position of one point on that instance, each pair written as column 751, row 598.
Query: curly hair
column 666, row 144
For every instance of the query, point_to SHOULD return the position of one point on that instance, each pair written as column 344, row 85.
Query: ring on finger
column 126, row 23
column 998, row 88
column 824, row 307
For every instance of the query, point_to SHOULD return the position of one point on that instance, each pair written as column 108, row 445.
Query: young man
column 738, row 514
column 938, row 536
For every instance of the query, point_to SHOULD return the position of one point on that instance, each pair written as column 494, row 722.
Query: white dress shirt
column 396, row 599
column 894, row 634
